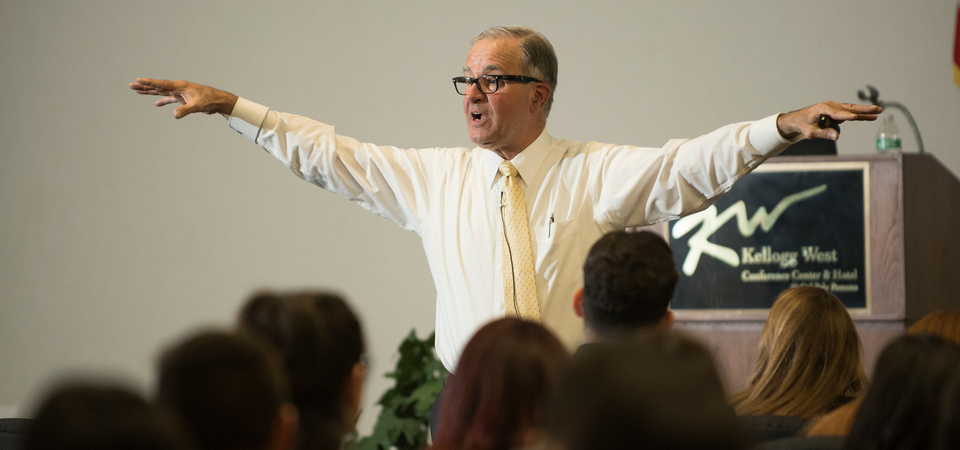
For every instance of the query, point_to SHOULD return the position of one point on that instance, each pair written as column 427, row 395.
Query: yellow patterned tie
column 519, row 278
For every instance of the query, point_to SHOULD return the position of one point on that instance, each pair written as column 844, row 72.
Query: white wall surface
column 122, row 229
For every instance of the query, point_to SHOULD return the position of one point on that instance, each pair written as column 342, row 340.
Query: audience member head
column 321, row 342
column 87, row 416
column 495, row 398
column 809, row 360
column 628, row 282
column 900, row 409
column 229, row 390
column 655, row 389
column 947, row 431
column 945, row 324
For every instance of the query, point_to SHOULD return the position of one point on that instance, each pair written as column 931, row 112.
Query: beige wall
column 122, row 228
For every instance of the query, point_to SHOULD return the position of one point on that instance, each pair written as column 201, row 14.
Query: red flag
column 956, row 50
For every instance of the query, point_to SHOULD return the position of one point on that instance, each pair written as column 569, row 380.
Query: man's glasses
column 488, row 84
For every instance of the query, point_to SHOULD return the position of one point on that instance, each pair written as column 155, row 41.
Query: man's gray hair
column 536, row 54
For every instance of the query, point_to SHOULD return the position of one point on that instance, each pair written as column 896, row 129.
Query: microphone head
column 872, row 95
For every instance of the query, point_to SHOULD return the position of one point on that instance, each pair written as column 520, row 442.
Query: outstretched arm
column 191, row 96
column 804, row 121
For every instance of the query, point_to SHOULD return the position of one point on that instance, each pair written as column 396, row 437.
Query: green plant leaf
column 410, row 431
column 379, row 439
column 424, row 396
column 404, row 418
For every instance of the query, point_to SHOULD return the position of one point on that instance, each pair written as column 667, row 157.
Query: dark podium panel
column 880, row 231
column 785, row 225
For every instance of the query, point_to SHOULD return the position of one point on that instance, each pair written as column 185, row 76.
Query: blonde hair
column 945, row 324
column 809, row 357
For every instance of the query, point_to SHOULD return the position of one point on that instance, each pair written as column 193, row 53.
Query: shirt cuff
column 247, row 118
column 766, row 138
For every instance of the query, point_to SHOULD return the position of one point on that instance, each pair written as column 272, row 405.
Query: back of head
column 947, row 431
column 809, row 360
column 495, row 396
column 226, row 388
column 100, row 417
column 321, row 342
column 900, row 409
column 945, row 324
column 628, row 282
column 655, row 389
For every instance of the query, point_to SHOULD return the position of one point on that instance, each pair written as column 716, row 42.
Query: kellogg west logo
column 712, row 222
column 808, row 228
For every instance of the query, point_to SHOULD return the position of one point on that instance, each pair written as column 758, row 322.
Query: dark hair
column 653, row 389
column 947, row 433
column 320, row 340
column 628, row 281
column 900, row 407
column 500, row 383
column 536, row 55
column 226, row 388
column 88, row 416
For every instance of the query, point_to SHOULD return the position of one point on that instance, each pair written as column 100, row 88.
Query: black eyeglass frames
column 488, row 84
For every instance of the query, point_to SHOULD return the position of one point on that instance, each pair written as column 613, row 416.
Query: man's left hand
column 804, row 121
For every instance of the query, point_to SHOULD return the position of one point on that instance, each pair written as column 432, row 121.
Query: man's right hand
column 191, row 96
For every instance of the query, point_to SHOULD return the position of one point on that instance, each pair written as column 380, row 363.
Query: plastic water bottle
column 888, row 137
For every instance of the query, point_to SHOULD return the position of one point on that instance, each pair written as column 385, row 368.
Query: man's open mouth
column 476, row 116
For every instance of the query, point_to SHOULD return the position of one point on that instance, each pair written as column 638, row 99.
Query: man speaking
column 506, row 225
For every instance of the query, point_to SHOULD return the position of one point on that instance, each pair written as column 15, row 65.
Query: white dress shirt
column 574, row 193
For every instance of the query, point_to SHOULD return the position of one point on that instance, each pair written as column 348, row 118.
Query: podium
column 910, row 241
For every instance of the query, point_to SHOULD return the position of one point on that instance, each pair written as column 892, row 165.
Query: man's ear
column 541, row 93
column 666, row 321
column 285, row 429
column 578, row 302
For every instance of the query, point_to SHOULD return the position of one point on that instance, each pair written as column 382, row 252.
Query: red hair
column 501, row 382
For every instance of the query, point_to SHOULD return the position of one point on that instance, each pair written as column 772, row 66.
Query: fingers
column 868, row 109
column 144, row 89
column 822, row 133
column 150, row 86
column 166, row 101
column 841, row 116
column 163, row 85
column 812, row 131
column 185, row 110
column 141, row 89
column 841, row 112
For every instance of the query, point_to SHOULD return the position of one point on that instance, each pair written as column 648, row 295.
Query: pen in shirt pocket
column 550, row 226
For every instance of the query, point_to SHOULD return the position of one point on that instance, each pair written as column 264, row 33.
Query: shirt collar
column 527, row 161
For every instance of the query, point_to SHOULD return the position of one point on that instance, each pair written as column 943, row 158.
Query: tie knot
column 507, row 169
